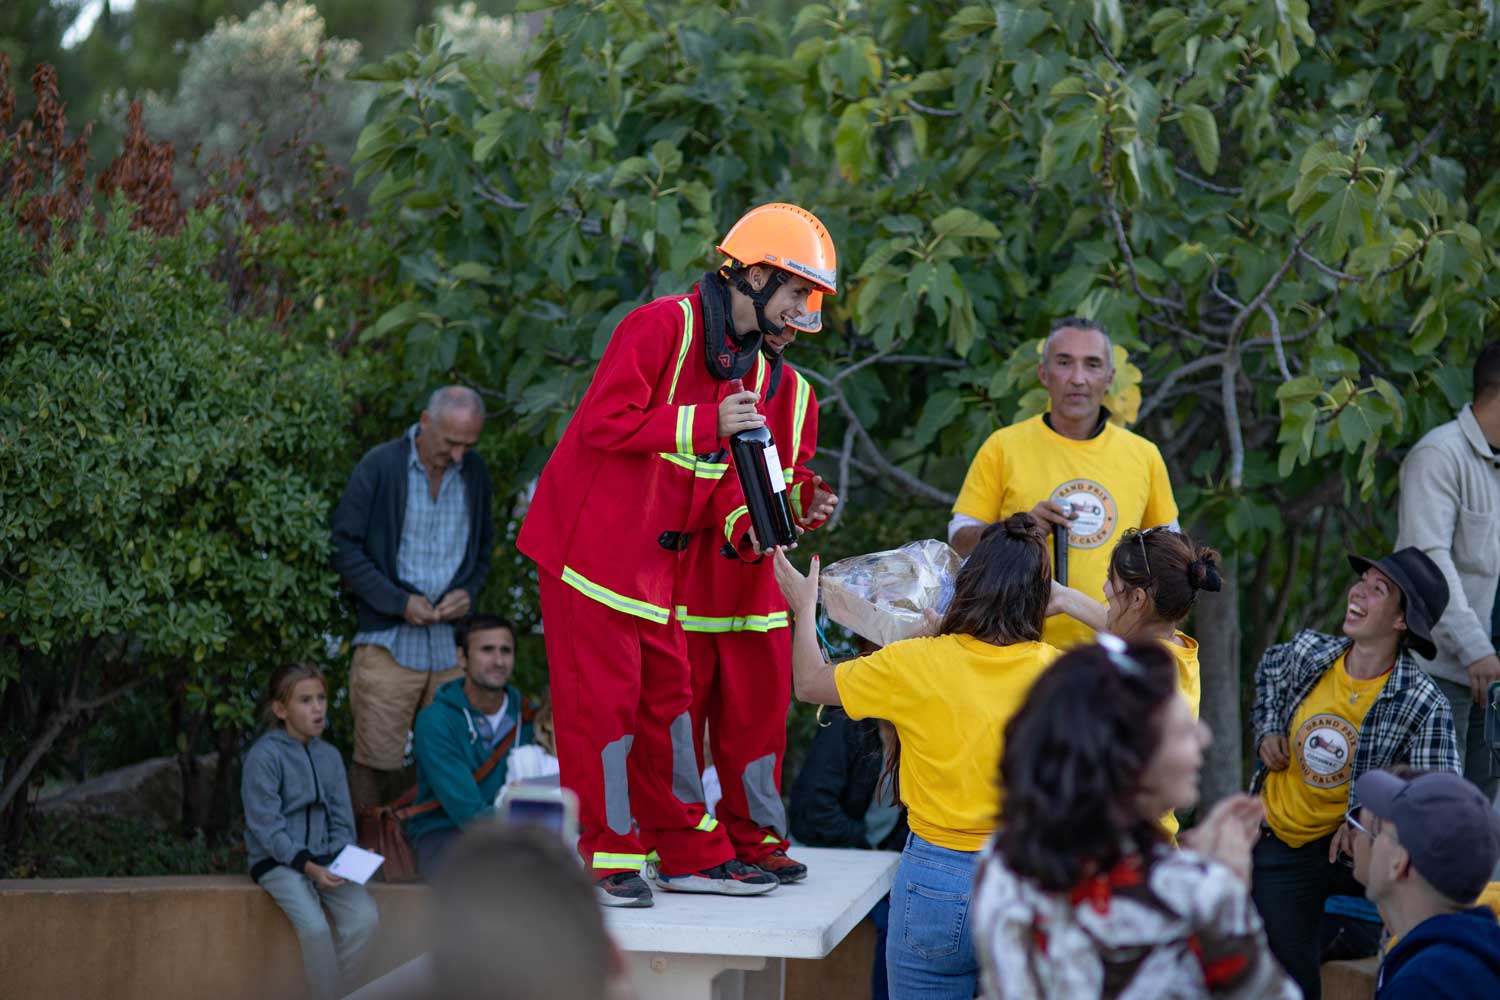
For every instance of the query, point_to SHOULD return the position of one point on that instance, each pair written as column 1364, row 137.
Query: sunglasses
column 1140, row 536
column 1352, row 821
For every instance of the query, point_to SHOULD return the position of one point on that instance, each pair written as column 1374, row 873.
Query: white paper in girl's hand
column 356, row 864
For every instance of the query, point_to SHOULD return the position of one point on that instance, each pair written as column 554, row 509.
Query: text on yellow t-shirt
column 1308, row 798
column 1114, row 480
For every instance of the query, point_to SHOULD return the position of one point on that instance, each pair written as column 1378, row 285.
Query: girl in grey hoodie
column 297, row 819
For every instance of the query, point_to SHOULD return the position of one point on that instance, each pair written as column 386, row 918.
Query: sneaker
column 732, row 878
column 784, row 868
column 622, row 889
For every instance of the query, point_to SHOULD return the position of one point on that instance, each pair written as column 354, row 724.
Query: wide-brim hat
column 1423, row 585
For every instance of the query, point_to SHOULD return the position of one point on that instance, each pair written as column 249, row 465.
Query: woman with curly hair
column 1081, row 894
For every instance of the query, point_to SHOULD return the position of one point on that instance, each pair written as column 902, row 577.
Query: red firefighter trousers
column 742, row 686
column 621, row 700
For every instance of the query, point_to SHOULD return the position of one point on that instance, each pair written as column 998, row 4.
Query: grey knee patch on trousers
column 617, row 784
column 687, row 783
column 761, row 796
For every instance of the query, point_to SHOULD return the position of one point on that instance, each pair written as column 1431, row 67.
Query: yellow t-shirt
column 1116, row 480
column 1188, row 683
column 1189, row 680
column 949, row 698
column 1308, row 798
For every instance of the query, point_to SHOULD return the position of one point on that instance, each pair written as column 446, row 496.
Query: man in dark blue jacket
column 412, row 536
column 1425, row 848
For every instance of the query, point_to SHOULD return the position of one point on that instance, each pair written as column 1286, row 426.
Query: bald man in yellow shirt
column 1069, row 466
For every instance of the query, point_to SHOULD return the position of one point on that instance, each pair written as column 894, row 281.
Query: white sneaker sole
column 637, row 902
column 714, row 886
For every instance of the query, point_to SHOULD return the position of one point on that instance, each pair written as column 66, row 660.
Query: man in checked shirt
column 412, row 536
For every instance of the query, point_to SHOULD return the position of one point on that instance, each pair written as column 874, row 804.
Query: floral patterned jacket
column 1177, row 926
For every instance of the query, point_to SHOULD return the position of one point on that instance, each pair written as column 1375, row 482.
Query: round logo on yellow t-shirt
column 1326, row 750
column 1096, row 512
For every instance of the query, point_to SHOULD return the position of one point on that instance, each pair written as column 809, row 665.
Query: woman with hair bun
column 949, row 697
column 1080, row 894
column 1153, row 583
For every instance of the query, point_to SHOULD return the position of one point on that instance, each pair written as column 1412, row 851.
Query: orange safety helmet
column 810, row 321
column 785, row 237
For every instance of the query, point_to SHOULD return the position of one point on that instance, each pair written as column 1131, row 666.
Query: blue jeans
column 880, row 916
column 330, row 957
column 929, row 953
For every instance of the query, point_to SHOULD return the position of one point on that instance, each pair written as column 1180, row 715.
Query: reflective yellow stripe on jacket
column 610, row 599
column 740, row 623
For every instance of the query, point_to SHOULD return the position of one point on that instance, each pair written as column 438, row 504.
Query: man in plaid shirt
column 1327, row 710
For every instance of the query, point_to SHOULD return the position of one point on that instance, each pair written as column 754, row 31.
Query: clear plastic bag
column 881, row 596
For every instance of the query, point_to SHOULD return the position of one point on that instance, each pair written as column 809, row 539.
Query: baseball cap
column 1447, row 826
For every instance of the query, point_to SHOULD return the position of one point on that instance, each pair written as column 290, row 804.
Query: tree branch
column 923, row 359
column 1104, row 47
column 844, row 457
column 1195, row 365
column 1232, row 419
column 1331, row 272
column 1175, row 444
column 490, row 193
column 1206, row 185
column 935, row 112
column 1427, row 140
column 1270, row 287
column 1162, row 322
column 54, row 728
column 892, row 471
column 1213, row 286
column 1286, row 375
column 1135, row 281
column 1410, row 257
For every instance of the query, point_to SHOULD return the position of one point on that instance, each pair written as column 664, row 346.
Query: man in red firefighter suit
column 737, row 629
column 639, row 468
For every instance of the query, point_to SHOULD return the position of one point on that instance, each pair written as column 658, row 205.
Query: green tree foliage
column 175, row 423
column 166, row 487
column 1279, row 212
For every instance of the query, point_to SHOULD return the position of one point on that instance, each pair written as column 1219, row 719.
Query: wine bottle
column 763, row 483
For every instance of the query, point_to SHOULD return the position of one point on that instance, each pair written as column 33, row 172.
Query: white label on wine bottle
column 773, row 467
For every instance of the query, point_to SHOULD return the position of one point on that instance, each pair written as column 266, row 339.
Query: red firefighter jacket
column 719, row 593
column 633, row 470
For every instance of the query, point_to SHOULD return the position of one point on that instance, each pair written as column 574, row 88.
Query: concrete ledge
column 223, row 937
column 183, row 936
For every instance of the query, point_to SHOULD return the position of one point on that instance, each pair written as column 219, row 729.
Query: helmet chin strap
column 761, row 298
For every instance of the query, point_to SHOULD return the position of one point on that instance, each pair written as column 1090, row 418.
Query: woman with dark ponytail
column 949, row 697
column 1154, row 580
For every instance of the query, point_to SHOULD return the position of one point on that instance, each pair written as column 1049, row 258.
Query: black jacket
column 367, row 533
column 837, row 782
